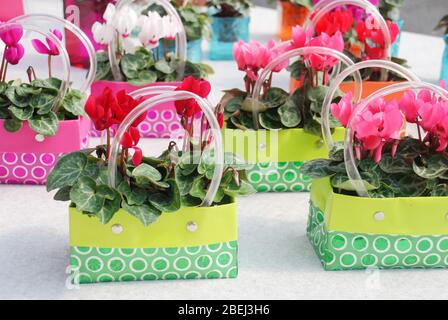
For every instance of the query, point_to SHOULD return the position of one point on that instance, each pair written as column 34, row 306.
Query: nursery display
column 135, row 58
column 443, row 25
column 196, row 24
column 367, row 35
column 272, row 129
column 230, row 23
column 292, row 13
column 43, row 116
column 136, row 217
column 378, row 201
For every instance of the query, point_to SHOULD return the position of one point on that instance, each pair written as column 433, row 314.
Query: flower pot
column 276, row 156
column 396, row 44
column 88, row 12
column 14, row 9
column 347, row 232
column 23, row 160
column 124, row 250
column 290, row 16
column 225, row 32
column 444, row 72
column 161, row 122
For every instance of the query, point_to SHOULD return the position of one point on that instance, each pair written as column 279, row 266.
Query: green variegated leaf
column 440, row 190
column 341, row 181
column 146, row 213
column 317, row 169
column 275, row 97
column 289, row 114
column 198, row 189
column 22, row 113
column 63, row 194
column 168, row 201
column 431, row 167
column 46, row 125
column 244, row 189
column 13, row 125
column 84, row 196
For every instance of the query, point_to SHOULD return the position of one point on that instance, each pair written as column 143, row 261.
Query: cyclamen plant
column 392, row 164
column 277, row 109
column 35, row 101
column 230, row 8
column 146, row 186
column 141, row 61
column 443, row 25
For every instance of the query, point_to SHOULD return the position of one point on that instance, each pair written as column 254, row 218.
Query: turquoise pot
column 444, row 73
column 396, row 44
column 225, row 32
column 194, row 50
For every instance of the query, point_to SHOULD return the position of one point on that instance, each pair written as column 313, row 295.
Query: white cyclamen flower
column 170, row 28
column 103, row 33
column 109, row 14
column 151, row 30
column 125, row 21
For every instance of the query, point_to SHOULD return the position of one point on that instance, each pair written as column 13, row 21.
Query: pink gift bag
column 162, row 121
column 27, row 157
column 11, row 9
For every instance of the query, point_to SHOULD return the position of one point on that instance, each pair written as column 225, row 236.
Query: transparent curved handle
column 149, row 91
column 148, row 104
column 35, row 18
column 180, row 43
column 334, row 86
column 300, row 53
column 65, row 83
column 325, row 6
column 350, row 161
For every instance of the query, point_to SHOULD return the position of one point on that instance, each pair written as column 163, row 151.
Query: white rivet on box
column 117, row 228
column 192, row 226
column 379, row 216
column 40, row 137
column 261, row 146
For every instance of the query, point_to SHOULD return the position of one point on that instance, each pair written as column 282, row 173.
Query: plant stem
column 5, row 72
column 418, row 130
column 108, row 143
column 49, row 67
column 3, row 63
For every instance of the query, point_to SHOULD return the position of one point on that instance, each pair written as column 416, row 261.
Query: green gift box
column 276, row 156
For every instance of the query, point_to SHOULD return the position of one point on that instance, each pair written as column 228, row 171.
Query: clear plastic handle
column 33, row 19
column 180, row 43
column 300, row 52
column 148, row 104
column 334, row 86
column 325, row 6
column 65, row 83
column 149, row 91
column 349, row 156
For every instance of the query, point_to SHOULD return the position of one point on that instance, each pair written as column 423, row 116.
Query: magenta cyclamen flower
column 51, row 49
column 12, row 36
column 13, row 54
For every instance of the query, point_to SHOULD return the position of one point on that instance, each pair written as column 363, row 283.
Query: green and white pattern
column 90, row 265
column 349, row 251
column 278, row 177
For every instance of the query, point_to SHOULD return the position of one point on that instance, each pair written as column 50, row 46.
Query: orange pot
column 368, row 87
column 290, row 16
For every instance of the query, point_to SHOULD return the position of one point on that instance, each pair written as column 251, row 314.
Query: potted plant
column 136, row 60
column 292, row 13
column 40, row 117
column 196, row 24
column 367, row 36
column 272, row 129
column 377, row 202
column 443, row 25
column 135, row 217
column 390, row 10
column 229, row 23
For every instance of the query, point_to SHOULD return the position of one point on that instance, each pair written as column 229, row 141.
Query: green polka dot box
column 353, row 233
column 192, row 243
column 276, row 156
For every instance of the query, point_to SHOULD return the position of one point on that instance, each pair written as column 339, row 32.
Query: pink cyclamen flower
column 322, row 62
column 409, row 105
column 344, row 109
column 12, row 36
column 13, row 54
column 378, row 124
column 51, row 49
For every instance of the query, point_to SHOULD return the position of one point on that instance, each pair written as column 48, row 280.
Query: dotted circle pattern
column 278, row 177
column 350, row 251
column 162, row 121
column 213, row 261
column 26, row 168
